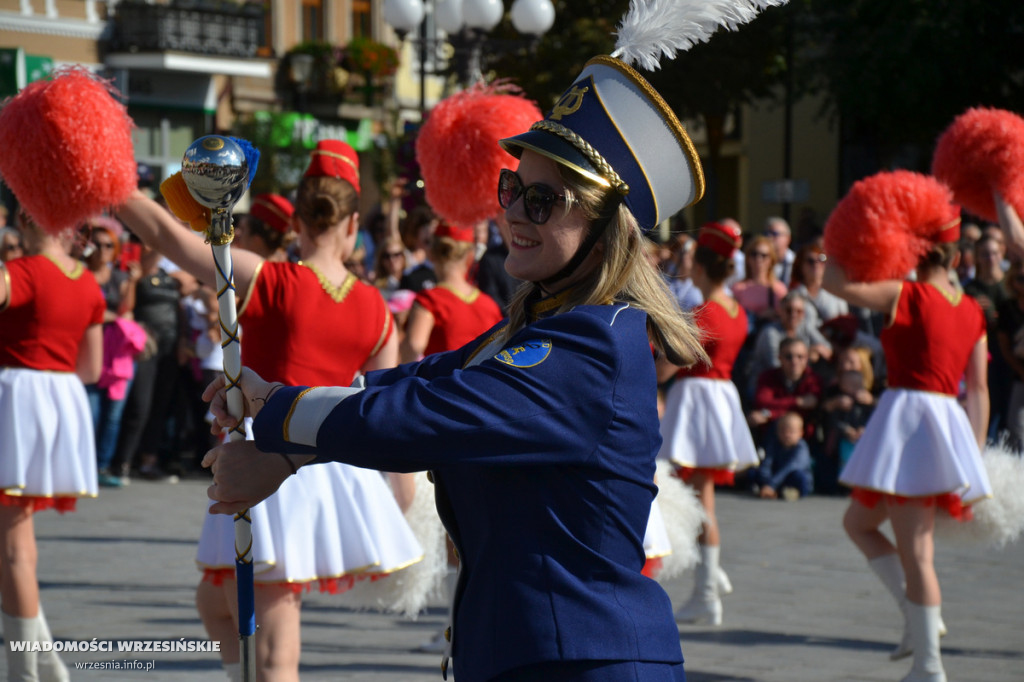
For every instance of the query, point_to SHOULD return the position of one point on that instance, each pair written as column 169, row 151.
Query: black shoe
column 154, row 474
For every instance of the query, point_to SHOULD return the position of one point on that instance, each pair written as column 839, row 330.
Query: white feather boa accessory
column 683, row 516
column 998, row 520
column 655, row 28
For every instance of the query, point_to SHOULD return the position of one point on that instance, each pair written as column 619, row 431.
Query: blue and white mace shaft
column 216, row 172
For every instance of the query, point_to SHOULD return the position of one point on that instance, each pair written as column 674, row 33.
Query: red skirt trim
column 35, row 504
column 344, row 583
column 949, row 502
column 719, row 476
column 652, row 567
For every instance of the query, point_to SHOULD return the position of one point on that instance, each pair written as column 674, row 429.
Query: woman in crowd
column 454, row 312
column 51, row 342
column 157, row 296
column 123, row 340
column 679, row 272
column 759, row 292
column 389, row 266
column 306, row 322
column 704, row 432
column 919, row 453
column 808, row 274
column 540, row 434
column 417, row 229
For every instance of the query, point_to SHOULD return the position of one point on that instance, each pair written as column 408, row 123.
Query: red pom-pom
column 67, row 149
column 458, row 151
column 886, row 222
column 981, row 151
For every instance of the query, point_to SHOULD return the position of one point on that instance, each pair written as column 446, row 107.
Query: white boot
column 724, row 584
column 924, row 633
column 233, row 671
column 890, row 571
column 439, row 643
column 51, row 668
column 22, row 666
column 704, row 605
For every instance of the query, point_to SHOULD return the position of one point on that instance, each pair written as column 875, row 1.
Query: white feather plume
column 683, row 516
column 653, row 28
column 999, row 520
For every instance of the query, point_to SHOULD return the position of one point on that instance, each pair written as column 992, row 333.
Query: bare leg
column 403, row 487
column 704, row 604
column 279, row 614
column 914, row 527
column 278, row 638
column 215, row 605
column 19, row 587
column 862, row 525
column 704, row 486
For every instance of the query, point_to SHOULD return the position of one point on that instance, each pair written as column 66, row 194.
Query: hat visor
column 556, row 149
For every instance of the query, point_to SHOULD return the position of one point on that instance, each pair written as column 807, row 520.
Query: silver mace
column 217, row 174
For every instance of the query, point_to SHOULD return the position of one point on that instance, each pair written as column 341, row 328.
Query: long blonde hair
column 624, row 274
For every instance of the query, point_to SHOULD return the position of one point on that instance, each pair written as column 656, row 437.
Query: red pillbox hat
column 274, row 210
column 334, row 159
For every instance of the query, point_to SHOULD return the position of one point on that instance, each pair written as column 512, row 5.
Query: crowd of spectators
column 811, row 358
column 808, row 357
column 162, row 334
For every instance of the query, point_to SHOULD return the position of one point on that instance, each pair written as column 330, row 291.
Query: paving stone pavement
column 805, row 606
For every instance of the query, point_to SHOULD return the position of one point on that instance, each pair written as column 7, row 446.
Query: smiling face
column 537, row 252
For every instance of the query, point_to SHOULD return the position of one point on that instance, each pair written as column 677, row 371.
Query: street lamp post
column 468, row 20
column 300, row 71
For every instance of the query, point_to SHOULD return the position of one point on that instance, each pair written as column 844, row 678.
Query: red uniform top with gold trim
column 46, row 314
column 929, row 341
column 457, row 320
column 723, row 334
column 300, row 330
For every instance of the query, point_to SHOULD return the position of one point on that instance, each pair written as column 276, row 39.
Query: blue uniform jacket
column 543, row 457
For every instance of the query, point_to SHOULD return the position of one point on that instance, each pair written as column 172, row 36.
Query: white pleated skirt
column 47, row 446
column 704, row 427
column 918, row 444
column 656, row 541
column 325, row 523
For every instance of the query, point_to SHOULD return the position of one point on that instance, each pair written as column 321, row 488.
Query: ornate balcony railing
column 142, row 27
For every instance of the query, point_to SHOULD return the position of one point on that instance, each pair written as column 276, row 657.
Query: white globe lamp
column 403, row 15
column 533, row 17
column 482, row 15
column 448, row 16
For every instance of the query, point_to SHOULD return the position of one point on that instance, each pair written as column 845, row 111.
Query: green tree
column 544, row 68
column 707, row 82
column 712, row 79
column 897, row 73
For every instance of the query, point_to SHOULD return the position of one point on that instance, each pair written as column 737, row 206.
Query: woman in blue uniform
column 541, row 435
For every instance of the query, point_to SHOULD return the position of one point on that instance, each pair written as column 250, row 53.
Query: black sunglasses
column 537, row 199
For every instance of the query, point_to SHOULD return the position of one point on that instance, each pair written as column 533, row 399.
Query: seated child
column 786, row 467
column 847, row 407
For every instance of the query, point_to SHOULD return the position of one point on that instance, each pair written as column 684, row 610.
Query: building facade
column 192, row 67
